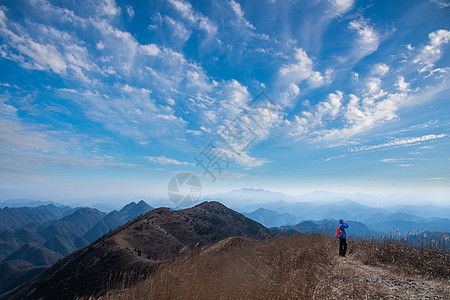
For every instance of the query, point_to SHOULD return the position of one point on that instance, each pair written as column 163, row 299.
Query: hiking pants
column 342, row 246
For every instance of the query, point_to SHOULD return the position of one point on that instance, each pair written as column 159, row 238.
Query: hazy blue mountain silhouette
column 117, row 218
column 270, row 218
column 377, row 219
column 28, row 203
column 17, row 217
column 36, row 254
column 65, row 244
column 45, row 239
column 77, row 223
column 328, row 226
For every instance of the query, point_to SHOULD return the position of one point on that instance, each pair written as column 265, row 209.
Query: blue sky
column 110, row 99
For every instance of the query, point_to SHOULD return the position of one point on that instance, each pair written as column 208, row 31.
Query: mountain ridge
column 140, row 244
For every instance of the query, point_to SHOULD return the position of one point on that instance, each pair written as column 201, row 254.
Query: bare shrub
column 426, row 258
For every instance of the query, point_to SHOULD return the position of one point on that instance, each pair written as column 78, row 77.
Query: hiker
column 342, row 237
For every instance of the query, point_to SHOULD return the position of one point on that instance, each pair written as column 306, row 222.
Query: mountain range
column 139, row 246
column 40, row 236
column 382, row 220
column 59, row 251
column 17, row 217
column 273, row 209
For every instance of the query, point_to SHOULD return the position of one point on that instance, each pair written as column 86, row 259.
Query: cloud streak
column 162, row 160
column 400, row 142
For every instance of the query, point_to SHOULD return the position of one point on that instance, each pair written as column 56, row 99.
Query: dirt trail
column 360, row 281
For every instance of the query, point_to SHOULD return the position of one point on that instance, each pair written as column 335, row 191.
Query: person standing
column 343, row 238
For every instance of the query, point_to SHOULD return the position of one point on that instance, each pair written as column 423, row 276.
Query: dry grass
column 297, row 266
column 428, row 258
column 288, row 267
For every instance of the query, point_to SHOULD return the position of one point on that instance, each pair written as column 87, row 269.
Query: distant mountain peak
column 143, row 204
column 131, row 204
column 254, row 190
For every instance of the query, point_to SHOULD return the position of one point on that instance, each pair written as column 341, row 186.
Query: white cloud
column 60, row 14
column 354, row 117
column 46, row 48
column 130, row 11
column 100, row 46
column 193, row 17
column 294, row 89
column 365, row 114
column 237, row 8
column 233, row 97
column 150, row 49
column 391, row 160
column 335, row 157
column 166, row 161
column 401, row 142
column 204, row 129
column 32, row 55
column 341, row 6
column 194, row 132
column 127, row 88
column 66, row 90
column 299, row 70
column 368, row 38
column 442, row 3
column 402, row 85
column 25, row 148
column 227, row 174
column 373, row 88
column 400, row 162
column 242, row 158
column 108, row 7
column 332, row 106
column 322, row 113
column 380, row 69
column 179, row 30
column 291, row 92
column 433, row 51
column 131, row 112
column 240, row 14
column 2, row 17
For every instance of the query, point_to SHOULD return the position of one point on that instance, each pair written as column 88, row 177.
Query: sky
column 110, row 99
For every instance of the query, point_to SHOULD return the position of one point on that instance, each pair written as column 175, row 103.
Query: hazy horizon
column 245, row 196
